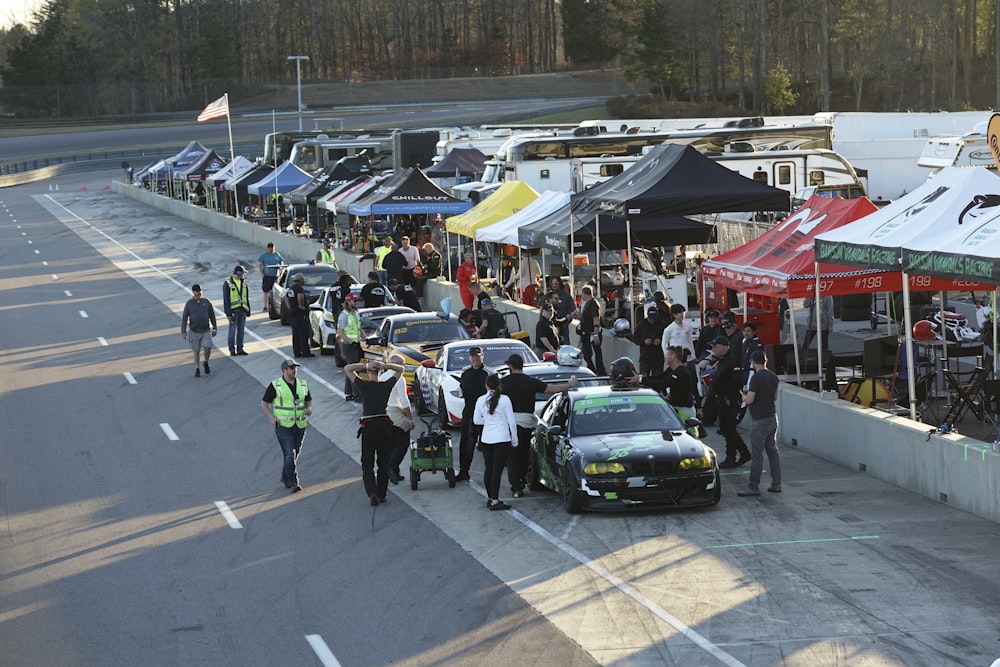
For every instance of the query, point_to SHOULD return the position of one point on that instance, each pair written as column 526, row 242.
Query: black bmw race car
column 613, row 448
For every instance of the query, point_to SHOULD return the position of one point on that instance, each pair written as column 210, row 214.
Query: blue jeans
column 236, row 330
column 290, row 439
column 762, row 440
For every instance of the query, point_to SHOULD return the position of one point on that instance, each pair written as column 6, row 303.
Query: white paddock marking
column 322, row 651
column 228, row 515
column 129, row 378
column 169, row 431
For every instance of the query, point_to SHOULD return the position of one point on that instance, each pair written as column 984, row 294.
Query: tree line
column 97, row 57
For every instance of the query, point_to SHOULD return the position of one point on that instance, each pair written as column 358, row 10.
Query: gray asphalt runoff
column 143, row 521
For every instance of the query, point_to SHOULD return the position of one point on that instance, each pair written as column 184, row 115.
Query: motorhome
column 323, row 150
column 966, row 150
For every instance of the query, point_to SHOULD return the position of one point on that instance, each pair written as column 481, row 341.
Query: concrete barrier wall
column 955, row 469
column 960, row 471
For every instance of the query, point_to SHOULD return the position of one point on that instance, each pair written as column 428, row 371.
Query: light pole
column 298, row 81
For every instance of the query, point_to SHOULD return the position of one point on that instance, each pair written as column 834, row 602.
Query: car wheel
column 572, row 499
column 414, row 478
column 449, row 474
column 718, row 488
column 534, row 476
column 443, row 413
column 419, row 406
column 284, row 314
column 272, row 314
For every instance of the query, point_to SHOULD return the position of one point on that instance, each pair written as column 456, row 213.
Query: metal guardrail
column 30, row 171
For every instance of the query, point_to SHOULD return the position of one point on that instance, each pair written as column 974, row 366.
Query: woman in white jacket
column 496, row 415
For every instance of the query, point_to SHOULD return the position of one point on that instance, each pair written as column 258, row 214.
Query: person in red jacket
column 466, row 276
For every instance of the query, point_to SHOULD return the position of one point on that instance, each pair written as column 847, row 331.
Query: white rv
column 966, row 150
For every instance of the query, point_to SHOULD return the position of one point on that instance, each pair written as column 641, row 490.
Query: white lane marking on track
column 103, row 341
column 68, row 293
column 228, row 515
column 252, row 334
column 169, row 431
column 30, row 243
column 55, row 276
column 45, row 263
column 38, row 252
column 569, row 527
column 322, row 651
column 129, row 378
column 627, row 589
column 23, row 233
column 83, row 314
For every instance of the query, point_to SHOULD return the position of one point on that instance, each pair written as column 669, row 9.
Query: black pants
column 376, row 447
column 590, row 350
column 728, row 411
column 495, row 456
column 300, row 335
column 467, row 443
column 400, row 446
column 517, row 462
column 352, row 354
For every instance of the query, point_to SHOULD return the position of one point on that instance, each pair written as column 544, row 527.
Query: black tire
column 414, row 478
column 534, row 478
column 419, row 407
column 449, row 474
column 443, row 413
column 718, row 488
column 284, row 315
column 272, row 314
column 570, row 493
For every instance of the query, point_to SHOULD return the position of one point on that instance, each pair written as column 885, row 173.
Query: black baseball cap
column 475, row 349
column 289, row 363
column 720, row 340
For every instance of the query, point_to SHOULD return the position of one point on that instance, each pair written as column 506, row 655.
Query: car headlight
column 330, row 321
column 603, row 468
column 457, row 393
column 699, row 463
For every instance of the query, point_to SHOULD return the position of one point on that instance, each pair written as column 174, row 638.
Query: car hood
column 629, row 447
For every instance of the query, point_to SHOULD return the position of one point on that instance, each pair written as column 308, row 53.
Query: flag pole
column 229, row 124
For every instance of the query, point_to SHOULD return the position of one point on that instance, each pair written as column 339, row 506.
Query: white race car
column 436, row 388
column 323, row 323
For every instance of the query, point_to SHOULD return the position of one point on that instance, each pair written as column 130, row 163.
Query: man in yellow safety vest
column 287, row 404
column 236, row 303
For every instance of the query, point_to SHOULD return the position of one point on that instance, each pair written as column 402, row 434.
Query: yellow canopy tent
column 508, row 199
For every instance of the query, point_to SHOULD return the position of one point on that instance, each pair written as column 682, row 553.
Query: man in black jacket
column 648, row 336
column 724, row 392
column 473, row 385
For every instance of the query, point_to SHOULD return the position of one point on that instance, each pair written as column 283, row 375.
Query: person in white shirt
column 496, row 415
column 678, row 333
column 412, row 256
column 401, row 416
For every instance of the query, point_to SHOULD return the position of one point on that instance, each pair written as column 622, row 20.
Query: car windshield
column 622, row 414
column 420, row 331
column 319, row 275
column 493, row 355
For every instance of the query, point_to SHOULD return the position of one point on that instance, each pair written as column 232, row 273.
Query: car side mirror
column 556, row 430
column 692, row 422
column 315, row 306
column 373, row 340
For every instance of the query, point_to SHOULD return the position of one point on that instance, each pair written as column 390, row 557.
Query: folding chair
column 966, row 389
column 991, row 406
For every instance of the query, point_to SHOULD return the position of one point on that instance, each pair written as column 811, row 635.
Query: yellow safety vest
column 239, row 295
column 380, row 253
column 352, row 331
column 290, row 410
column 327, row 256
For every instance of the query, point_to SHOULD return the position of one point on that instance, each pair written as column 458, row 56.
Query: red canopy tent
column 781, row 262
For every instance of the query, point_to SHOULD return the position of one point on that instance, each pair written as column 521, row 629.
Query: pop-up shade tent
column 505, row 231
column 955, row 196
column 284, row 179
column 672, row 179
column 409, row 191
column 508, row 199
column 330, row 177
column 459, row 162
column 555, row 231
column 188, row 156
column 209, row 163
column 238, row 166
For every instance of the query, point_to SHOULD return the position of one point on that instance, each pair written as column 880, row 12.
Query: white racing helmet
column 567, row 355
column 622, row 328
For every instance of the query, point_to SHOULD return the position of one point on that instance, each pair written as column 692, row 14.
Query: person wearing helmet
column 569, row 356
column 622, row 372
column 236, row 304
column 724, row 393
column 298, row 313
column 648, row 336
column 522, row 390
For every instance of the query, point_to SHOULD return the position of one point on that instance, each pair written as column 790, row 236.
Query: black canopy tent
column 239, row 185
column 303, row 198
column 672, row 179
column 459, row 162
column 554, row 231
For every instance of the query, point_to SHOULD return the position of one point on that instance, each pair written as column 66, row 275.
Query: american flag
column 216, row 109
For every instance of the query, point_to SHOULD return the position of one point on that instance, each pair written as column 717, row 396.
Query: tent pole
column 819, row 333
column 631, row 290
column 572, row 240
column 911, row 382
column 993, row 306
